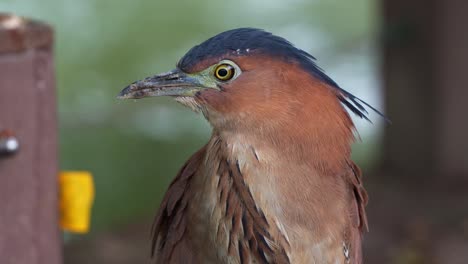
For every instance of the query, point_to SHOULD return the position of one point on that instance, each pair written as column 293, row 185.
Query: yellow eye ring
column 224, row 72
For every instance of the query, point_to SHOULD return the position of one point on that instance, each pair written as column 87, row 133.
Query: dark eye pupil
column 223, row 72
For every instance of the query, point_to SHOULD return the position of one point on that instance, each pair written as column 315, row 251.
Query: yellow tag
column 76, row 200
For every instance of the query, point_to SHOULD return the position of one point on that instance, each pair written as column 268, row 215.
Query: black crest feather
column 243, row 41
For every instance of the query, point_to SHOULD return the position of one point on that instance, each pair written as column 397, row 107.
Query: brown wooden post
column 29, row 231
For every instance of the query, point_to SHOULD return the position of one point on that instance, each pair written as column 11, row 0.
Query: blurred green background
column 134, row 148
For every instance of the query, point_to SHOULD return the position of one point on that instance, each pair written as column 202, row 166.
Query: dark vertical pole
column 452, row 81
column 426, row 89
column 29, row 231
column 409, row 72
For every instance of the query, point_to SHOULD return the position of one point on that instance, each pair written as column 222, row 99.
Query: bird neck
column 318, row 138
column 254, row 182
column 294, row 116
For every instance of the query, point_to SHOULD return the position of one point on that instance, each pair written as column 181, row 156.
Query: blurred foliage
column 134, row 149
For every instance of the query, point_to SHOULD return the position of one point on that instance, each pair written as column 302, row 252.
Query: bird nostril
column 131, row 87
column 173, row 77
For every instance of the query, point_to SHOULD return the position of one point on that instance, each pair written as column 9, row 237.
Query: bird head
column 249, row 79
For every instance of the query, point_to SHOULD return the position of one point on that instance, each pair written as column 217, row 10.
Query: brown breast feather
column 250, row 228
column 170, row 222
column 249, row 236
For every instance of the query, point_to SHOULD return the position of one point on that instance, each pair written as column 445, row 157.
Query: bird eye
column 224, row 72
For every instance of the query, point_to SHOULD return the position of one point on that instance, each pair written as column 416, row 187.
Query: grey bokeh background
column 134, row 148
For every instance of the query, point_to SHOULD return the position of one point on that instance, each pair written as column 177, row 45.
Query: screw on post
column 8, row 143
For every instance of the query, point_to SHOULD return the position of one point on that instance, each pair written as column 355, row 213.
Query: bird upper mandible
column 275, row 183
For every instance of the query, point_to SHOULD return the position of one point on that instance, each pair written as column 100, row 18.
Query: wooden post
column 29, row 231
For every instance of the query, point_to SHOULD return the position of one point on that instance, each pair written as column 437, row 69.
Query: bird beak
column 173, row 83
